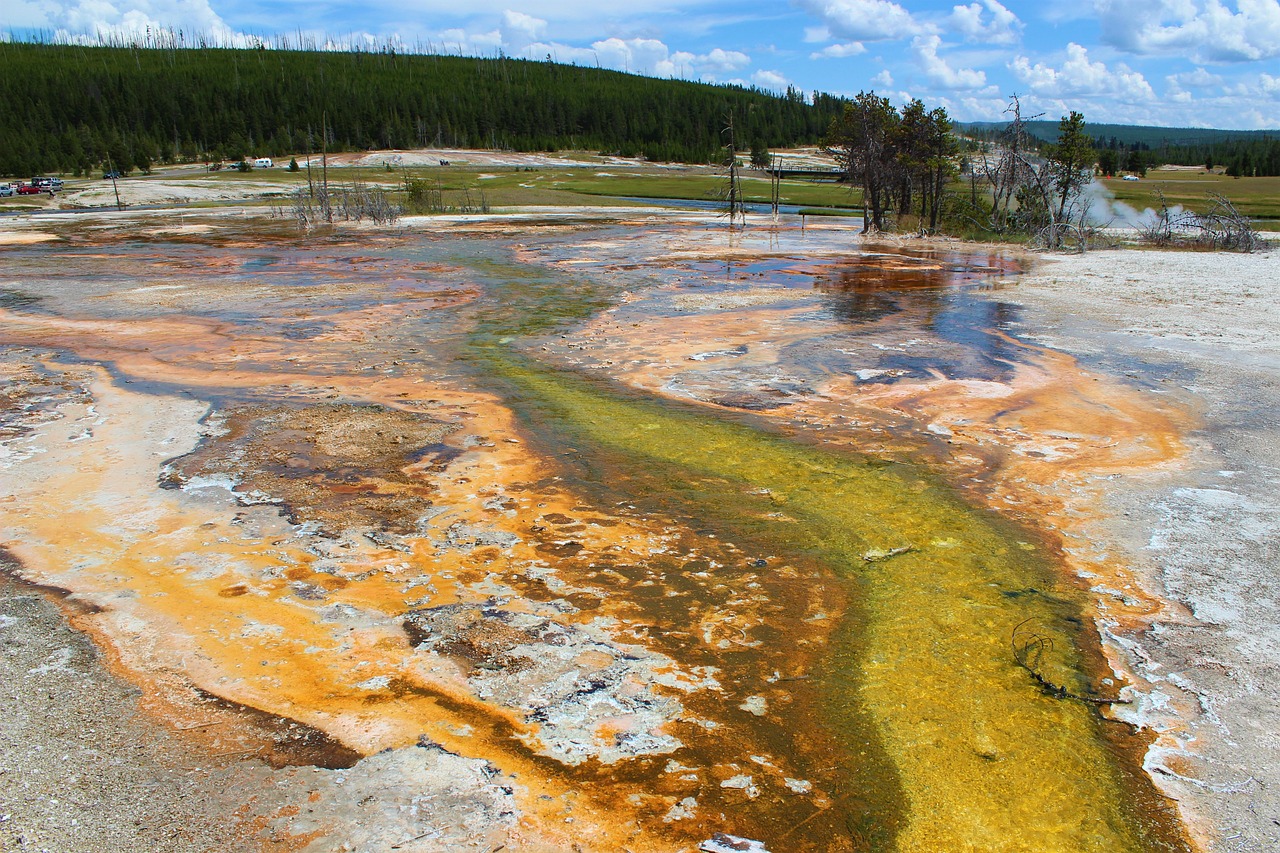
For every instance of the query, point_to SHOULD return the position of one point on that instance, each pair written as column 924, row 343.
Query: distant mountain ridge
column 1131, row 134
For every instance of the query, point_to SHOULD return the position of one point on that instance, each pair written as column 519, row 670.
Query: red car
column 29, row 189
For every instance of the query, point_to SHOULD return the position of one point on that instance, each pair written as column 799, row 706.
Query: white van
column 263, row 163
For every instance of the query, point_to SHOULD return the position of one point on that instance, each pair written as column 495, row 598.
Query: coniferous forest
column 73, row 109
column 1136, row 148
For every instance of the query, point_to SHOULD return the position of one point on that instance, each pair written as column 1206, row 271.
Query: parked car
column 29, row 189
column 47, row 184
column 1129, row 178
column 263, row 163
column 5, row 190
column 111, row 176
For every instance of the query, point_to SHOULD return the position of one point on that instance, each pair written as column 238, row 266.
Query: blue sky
column 1200, row 63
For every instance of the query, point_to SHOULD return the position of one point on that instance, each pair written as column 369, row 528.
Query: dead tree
column 1029, row 649
column 1224, row 227
column 731, row 193
column 1012, row 171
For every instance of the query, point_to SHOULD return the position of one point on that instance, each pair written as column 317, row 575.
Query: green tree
column 862, row 141
column 937, row 149
column 1070, row 164
column 1108, row 161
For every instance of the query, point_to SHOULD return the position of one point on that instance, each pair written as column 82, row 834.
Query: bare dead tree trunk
column 735, row 209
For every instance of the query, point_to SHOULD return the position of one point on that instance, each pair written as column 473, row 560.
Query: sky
column 1177, row 63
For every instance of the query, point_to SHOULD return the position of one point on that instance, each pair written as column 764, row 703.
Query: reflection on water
column 928, row 300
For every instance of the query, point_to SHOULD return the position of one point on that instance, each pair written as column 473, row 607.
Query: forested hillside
column 1146, row 138
column 68, row 108
column 1245, row 153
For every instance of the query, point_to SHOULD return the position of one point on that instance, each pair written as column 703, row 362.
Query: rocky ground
column 81, row 767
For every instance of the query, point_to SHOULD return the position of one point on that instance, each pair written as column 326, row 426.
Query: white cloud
column 1205, row 30
column 520, row 30
column 925, row 50
column 720, row 61
column 648, row 56
column 87, row 20
column 20, row 14
column 968, row 21
column 771, row 80
column 884, row 79
column 839, row 51
column 461, row 41
column 1198, row 79
column 863, row 20
column 1079, row 76
column 517, row 33
column 638, row 54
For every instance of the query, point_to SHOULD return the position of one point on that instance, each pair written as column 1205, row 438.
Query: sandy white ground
column 150, row 191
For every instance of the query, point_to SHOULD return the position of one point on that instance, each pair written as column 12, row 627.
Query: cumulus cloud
column 1079, row 76
column 89, row 20
column 519, row 30
column 638, row 54
column 884, row 79
column 938, row 71
column 1197, row 79
column 1205, row 30
column 863, row 20
column 653, row 57
column 719, row 61
column 972, row 22
column 839, row 51
column 522, row 36
column 771, row 80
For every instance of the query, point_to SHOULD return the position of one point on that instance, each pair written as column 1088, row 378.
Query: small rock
column 875, row 555
column 683, row 810
column 724, row 843
column 742, row 783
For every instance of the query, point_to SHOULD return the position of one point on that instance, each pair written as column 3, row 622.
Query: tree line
column 902, row 160
column 72, row 109
column 905, row 159
column 1242, row 158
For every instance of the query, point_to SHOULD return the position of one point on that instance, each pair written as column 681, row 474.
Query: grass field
column 1255, row 197
column 710, row 186
column 507, row 186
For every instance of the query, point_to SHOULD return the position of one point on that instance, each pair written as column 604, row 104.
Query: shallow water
column 919, row 681
column 857, row 613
